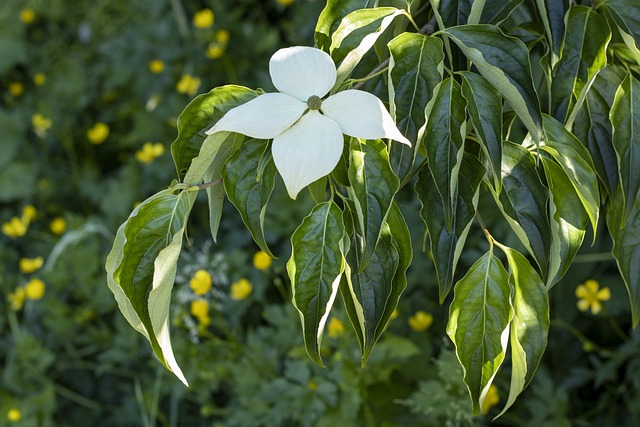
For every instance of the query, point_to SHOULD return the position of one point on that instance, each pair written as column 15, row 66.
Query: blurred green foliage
column 69, row 358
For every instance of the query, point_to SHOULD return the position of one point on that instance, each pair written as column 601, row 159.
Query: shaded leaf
column 497, row 11
column 331, row 16
column 626, row 15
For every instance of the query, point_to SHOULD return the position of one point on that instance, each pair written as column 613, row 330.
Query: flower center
column 314, row 102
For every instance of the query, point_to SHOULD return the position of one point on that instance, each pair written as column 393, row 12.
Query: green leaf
column 523, row 202
column 356, row 35
column 444, row 138
column 575, row 160
column 497, row 11
column 553, row 13
column 504, row 62
column 626, row 15
column 415, row 69
column 582, row 57
column 453, row 12
column 315, row 268
column 530, row 324
column 248, row 192
column 625, row 119
column 331, row 16
column 373, row 186
column 446, row 246
column 478, row 318
column 484, row 105
column 141, row 266
column 625, row 233
column 202, row 113
column 593, row 127
column 568, row 220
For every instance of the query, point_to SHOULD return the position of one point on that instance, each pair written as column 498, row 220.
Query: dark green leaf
column 331, row 16
column 552, row 13
column 415, row 69
column 478, row 317
column 497, row 11
column 315, row 268
column 248, row 194
column 626, row 15
column 454, row 12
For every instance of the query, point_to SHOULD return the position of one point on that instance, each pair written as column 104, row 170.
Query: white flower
column 307, row 130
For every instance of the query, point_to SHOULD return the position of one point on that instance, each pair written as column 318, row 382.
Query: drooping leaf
column 373, row 186
column 202, row 113
column 444, row 139
column 529, row 327
column 504, row 62
column 479, row 317
column 331, row 16
column 485, row 108
column 552, row 13
column 568, row 220
column 249, row 194
column 575, row 160
column 626, row 15
column 625, row 119
column 415, row 69
column 582, row 57
column 446, row 246
column 523, row 202
column 315, row 268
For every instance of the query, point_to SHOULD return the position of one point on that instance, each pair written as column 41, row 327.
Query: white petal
column 302, row 71
column 307, row 151
column 263, row 117
column 361, row 115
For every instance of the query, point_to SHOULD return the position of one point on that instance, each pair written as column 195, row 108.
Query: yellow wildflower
column 156, row 66
column 286, row 2
column 222, row 36
column 261, row 260
column 491, row 399
column 58, row 225
column 15, row 227
column 420, row 321
column 30, row 265
column 16, row 299
column 34, row 289
column 27, row 16
column 16, row 89
column 39, row 79
column 336, row 328
column 590, row 295
column 203, row 18
column 149, row 152
column 215, row 50
column 188, row 84
column 40, row 124
column 98, row 133
column 200, row 310
column 29, row 213
column 200, row 283
column 241, row 289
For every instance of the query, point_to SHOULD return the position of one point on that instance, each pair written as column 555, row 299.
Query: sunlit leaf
column 330, row 18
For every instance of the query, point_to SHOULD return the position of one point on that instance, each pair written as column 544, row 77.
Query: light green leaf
column 625, row 119
column 202, row 113
column 626, row 15
column 504, row 62
column 315, row 268
column 582, row 57
column 373, row 186
column 415, row 69
column 331, row 16
column 249, row 192
column 479, row 318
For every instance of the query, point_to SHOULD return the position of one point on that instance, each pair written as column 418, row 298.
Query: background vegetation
column 89, row 96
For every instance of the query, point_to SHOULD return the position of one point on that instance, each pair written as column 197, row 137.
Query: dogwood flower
column 307, row 128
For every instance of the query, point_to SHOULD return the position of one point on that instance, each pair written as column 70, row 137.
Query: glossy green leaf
column 479, row 316
column 330, row 18
column 484, row 105
column 373, row 186
column 249, row 194
column 593, row 127
column 453, row 12
column 625, row 233
column 529, row 327
column 504, row 62
column 444, row 138
column 415, row 69
column 625, row 119
column 523, row 202
column 568, row 220
column 582, row 57
column 626, row 15
column 202, row 113
column 446, row 246
column 497, row 11
column 575, row 160
column 553, row 13
column 315, row 268
column 141, row 266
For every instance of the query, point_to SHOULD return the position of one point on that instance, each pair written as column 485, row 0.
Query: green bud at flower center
column 314, row 102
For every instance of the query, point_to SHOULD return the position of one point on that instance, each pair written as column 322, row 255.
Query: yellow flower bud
column 98, row 133
column 156, row 66
column 34, row 289
column 58, row 226
column 336, row 328
column 420, row 321
column 27, row 16
column 16, row 89
column 200, row 283
column 29, row 213
column 203, row 18
column 222, row 36
column 15, row 227
column 16, row 299
column 188, row 84
column 215, row 50
column 261, row 260
column 39, row 79
column 14, row 415
column 30, row 265
column 241, row 289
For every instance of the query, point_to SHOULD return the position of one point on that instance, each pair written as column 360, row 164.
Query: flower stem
column 206, row 185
